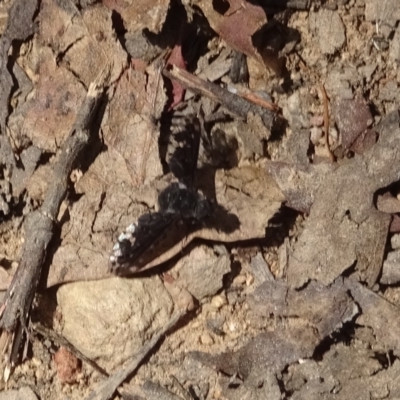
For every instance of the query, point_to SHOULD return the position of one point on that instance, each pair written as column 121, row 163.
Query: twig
column 326, row 122
column 107, row 388
column 256, row 99
column 181, row 389
column 61, row 341
column 234, row 103
column 39, row 230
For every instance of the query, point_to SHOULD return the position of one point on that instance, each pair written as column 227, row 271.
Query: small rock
column 218, row 301
column 239, row 280
column 395, row 242
column 352, row 117
column 295, row 111
column 67, row 366
column 233, row 297
column 315, row 135
column 216, row 324
column 375, row 12
column 394, row 50
column 205, row 338
column 24, row 393
column 111, row 319
column 389, row 91
column 202, row 271
column 249, row 280
column 329, row 29
column 391, row 269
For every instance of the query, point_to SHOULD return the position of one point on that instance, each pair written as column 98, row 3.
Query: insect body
column 180, row 208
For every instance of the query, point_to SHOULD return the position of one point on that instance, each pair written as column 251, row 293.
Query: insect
column 181, row 208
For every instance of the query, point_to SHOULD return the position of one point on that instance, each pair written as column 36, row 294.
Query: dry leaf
column 140, row 14
column 237, row 25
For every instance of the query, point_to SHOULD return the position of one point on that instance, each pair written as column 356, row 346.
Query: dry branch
column 39, row 229
column 232, row 102
column 107, row 388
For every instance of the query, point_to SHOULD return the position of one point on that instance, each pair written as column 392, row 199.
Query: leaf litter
column 326, row 304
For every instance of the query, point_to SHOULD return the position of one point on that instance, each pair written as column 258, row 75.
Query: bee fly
column 180, row 208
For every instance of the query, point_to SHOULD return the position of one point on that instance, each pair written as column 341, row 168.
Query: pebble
column 207, row 339
column 395, row 242
column 218, row 301
column 239, row 280
column 315, row 135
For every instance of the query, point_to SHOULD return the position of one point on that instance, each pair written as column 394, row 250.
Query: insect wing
column 138, row 245
column 184, row 146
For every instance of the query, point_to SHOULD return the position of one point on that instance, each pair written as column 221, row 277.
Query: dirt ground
column 249, row 154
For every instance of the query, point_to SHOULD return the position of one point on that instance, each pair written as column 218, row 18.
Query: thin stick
column 39, row 227
column 326, row 122
column 107, row 388
column 232, row 102
column 59, row 341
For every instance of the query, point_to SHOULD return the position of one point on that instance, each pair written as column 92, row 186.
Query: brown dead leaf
column 60, row 25
column 178, row 91
column 140, row 14
column 377, row 313
column 129, row 128
column 86, row 40
column 47, row 117
column 246, row 199
column 237, row 25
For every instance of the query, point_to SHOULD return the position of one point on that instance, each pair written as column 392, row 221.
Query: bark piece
column 375, row 313
column 269, row 351
column 343, row 371
column 299, row 183
column 20, row 26
column 312, row 304
column 344, row 226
